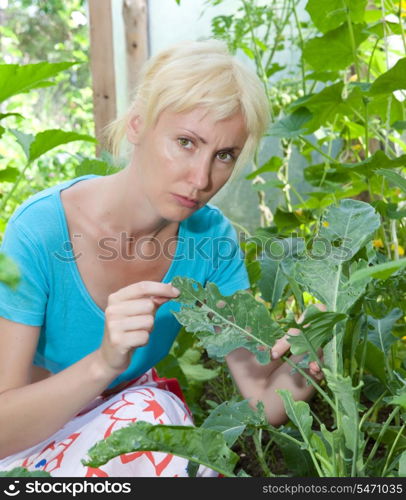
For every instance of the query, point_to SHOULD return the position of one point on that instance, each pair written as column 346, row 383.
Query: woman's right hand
column 129, row 320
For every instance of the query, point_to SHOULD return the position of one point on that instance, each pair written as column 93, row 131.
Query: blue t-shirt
column 52, row 294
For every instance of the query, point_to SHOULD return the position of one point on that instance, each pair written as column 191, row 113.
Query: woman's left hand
column 282, row 346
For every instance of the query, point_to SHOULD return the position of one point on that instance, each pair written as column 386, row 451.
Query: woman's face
column 184, row 159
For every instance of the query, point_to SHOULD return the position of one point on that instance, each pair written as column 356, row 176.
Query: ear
column 134, row 129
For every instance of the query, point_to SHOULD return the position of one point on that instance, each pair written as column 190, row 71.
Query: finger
column 144, row 289
column 314, row 367
column 280, row 348
column 131, row 324
column 130, row 308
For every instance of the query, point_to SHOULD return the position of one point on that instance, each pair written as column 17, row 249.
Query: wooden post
column 102, row 65
column 119, row 47
column 135, row 16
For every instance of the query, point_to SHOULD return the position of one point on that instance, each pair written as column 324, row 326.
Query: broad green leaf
column 292, row 126
column 318, row 331
column 273, row 281
column 23, row 472
column 298, row 412
column 9, row 271
column 377, row 161
column 380, row 330
column 204, row 446
column 285, row 221
column 379, row 271
column 15, row 79
column 393, row 79
column 323, row 270
column 333, row 51
column 330, row 14
column 399, row 125
column 9, row 174
column 49, row 139
column 231, row 419
column 374, row 361
column 394, row 178
column 272, row 165
column 24, row 140
column 224, row 323
column 95, row 167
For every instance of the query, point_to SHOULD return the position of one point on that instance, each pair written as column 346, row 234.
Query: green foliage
column 22, row 472
column 205, row 446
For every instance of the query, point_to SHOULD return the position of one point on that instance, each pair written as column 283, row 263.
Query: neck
column 123, row 208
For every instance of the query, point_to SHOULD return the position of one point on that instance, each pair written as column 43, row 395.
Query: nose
column 199, row 172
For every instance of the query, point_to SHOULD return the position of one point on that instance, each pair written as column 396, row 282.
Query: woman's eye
column 225, row 156
column 184, row 142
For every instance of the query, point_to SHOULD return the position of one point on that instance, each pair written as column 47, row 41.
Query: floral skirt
column 148, row 398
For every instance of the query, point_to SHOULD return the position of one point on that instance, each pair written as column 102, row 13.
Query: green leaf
column 95, row 167
column 399, row 399
column 333, row 51
column 285, row 221
column 9, row 174
column 9, row 271
column 273, row 281
column 373, row 429
column 380, row 330
column 374, row 361
column 323, row 271
column 329, row 14
column 318, row 331
column 194, row 370
column 15, row 79
column 377, row 161
column 273, row 183
column 393, row 79
column 231, row 419
column 379, row 271
column 272, row 165
column 24, row 140
column 394, row 177
column 342, row 388
column 224, row 323
column 204, row 446
column 23, row 472
column 298, row 412
column 49, row 139
column 292, row 126
column 402, row 465
column 169, row 367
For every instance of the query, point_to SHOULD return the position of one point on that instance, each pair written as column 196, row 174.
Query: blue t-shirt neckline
column 72, row 262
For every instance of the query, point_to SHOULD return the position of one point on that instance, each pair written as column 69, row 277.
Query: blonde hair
column 197, row 74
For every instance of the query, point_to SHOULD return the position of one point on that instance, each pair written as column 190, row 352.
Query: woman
column 91, row 317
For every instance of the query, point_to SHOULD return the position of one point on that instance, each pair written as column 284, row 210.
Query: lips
column 186, row 202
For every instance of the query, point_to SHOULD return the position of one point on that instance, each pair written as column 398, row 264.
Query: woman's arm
column 258, row 382
column 31, row 412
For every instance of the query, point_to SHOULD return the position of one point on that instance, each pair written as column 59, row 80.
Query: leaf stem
column 381, row 434
column 400, row 433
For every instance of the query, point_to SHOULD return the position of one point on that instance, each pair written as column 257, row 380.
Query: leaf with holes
column 224, row 323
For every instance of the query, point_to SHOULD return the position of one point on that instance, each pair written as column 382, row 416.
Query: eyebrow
column 232, row 148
